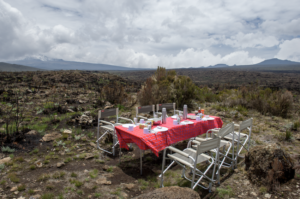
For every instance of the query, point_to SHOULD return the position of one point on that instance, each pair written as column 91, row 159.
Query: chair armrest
column 127, row 119
column 236, row 125
column 178, row 151
column 105, row 122
column 118, row 124
column 196, row 142
column 202, row 139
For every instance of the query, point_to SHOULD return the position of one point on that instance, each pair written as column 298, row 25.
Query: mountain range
column 46, row 63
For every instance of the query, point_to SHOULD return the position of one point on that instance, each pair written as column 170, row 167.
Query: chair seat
column 187, row 161
column 230, row 136
column 222, row 143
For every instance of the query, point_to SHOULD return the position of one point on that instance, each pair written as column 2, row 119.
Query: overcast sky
column 151, row 33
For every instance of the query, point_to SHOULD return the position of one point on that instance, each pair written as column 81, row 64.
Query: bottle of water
column 185, row 112
column 164, row 116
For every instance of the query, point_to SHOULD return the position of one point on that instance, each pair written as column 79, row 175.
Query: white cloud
column 148, row 33
column 289, row 50
column 251, row 40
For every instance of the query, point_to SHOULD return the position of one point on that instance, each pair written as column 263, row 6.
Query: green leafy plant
column 2, row 166
column 94, row 173
column 7, row 149
column 13, row 177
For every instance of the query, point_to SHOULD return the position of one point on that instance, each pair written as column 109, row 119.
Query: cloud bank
column 148, row 33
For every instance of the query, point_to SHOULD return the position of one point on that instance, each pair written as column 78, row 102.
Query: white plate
column 208, row 118
column 127, row 125
column 192, row 117
column 174, row 117
column 186, row 122
column 161, row 129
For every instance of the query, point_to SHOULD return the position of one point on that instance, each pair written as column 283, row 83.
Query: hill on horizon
column 16, row 68
column 59, row 64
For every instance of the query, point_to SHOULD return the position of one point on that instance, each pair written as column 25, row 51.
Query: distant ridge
column 218, row 66
column 47, row 63
column 16, row 68
column 276, row 61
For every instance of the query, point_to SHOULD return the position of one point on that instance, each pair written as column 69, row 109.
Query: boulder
column 103, row 181
column 51, row 136
column 32, row 132
column 269, row 165
column 4, row 160
column 70, row 110
column 126, row 114
column 174, row 192
column 67, row 131
column 88, row 113
column 60, row 164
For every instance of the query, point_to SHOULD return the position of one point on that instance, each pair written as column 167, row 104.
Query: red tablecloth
column 159, row 141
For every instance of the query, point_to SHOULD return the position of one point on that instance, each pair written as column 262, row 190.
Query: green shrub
column 48, row 196
column 225, row 192
column 13, row 178
column 7, row 149
column 21, row 187
column 2, row 166
column 165, row 87
column 288, row 135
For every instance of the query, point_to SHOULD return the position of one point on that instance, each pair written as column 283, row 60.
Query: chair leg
column 141, row 161
column 162, row 169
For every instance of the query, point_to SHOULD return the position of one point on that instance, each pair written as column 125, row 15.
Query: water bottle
column 185, row 112
column 164, row 116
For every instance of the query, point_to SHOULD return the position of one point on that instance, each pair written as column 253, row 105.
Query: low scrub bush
column 7, row 149
column 277, row 103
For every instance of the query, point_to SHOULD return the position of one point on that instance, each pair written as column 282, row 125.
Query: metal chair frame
column 168, row 106
column 221, row 133
column 144, row 109
column 189, row 158
column 110, row 128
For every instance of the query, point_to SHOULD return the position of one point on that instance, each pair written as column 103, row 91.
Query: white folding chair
column 238, row 137
column 145, row 109
column 167, row 106
column 110, row 127
column 221, row 133
column 189, row 158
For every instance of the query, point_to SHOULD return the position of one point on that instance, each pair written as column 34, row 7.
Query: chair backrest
column 208, row 145
column 168, row 106
column 145, row 109
column 245, row 124
column 108, row 112
column 229, row 128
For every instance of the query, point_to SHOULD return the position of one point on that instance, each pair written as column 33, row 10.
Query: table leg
column 141, row 160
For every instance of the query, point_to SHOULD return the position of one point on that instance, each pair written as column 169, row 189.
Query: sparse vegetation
column 51, row 104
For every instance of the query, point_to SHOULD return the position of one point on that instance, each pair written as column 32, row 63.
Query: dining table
column 157, row 140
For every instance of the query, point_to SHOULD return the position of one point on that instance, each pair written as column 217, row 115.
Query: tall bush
column 165, row 87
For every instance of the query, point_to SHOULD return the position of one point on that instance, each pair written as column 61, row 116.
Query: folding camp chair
column 167, row 106
column 221, row 133
column 110, row 127
column 145, row 109
column 236, row 136
column 189, row 158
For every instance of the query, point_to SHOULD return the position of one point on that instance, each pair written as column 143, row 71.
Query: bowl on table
column 156, row 121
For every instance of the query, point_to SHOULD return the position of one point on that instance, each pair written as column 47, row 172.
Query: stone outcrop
column 269, row 165
column 51, row 136
column 174, row 192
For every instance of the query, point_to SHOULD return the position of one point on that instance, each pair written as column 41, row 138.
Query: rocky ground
column 57, row 155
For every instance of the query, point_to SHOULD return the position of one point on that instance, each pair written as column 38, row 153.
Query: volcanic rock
column 174, row 192
column 269, row 165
